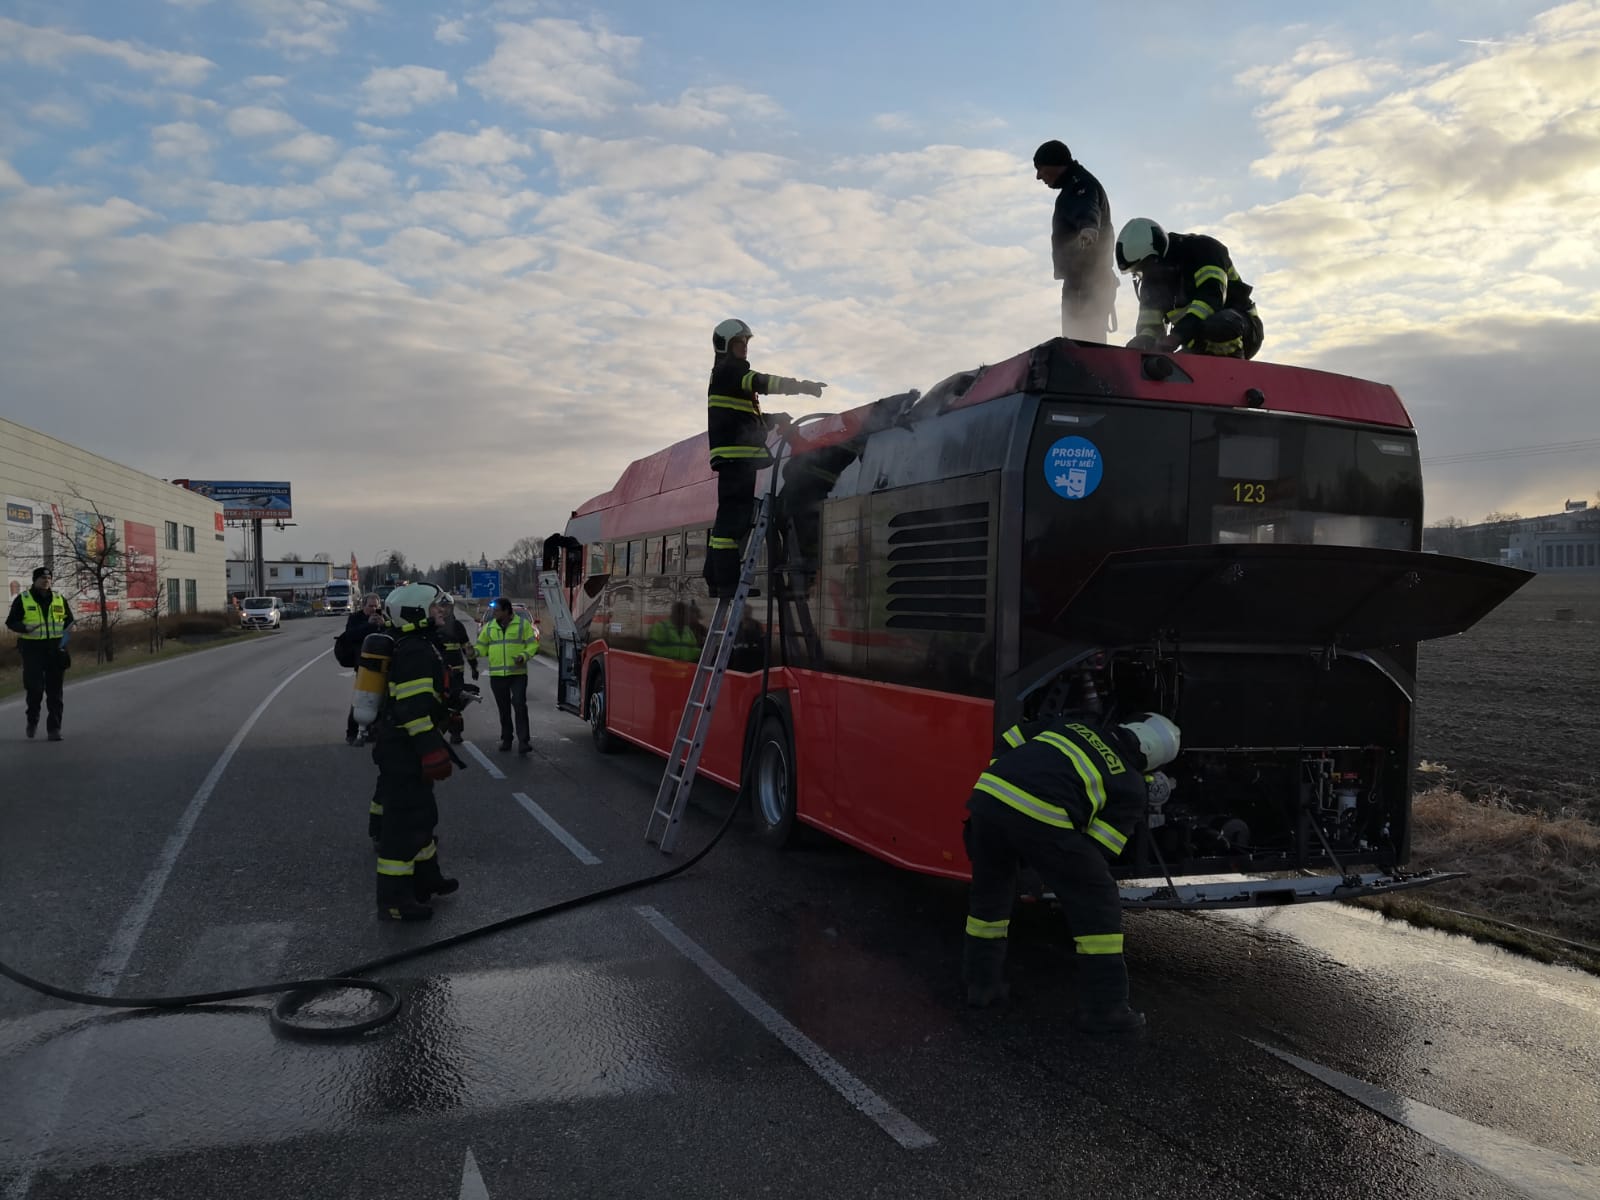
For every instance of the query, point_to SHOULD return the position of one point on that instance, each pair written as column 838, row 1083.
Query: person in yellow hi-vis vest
column 40, row 619
column 506, row 642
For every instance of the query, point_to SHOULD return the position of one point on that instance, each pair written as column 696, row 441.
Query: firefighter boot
column 430, row 881
column 1103, row 995
column 983, row 970
column 397, row 902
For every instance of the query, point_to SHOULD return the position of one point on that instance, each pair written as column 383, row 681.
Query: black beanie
column 1052, row 154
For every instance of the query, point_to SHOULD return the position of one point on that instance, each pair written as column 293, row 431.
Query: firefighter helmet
column 1158, row 738
column 727, row 331
column 1141, row 238
column 407, row 607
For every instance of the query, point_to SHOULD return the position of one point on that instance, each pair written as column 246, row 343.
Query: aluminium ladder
column 682, row 764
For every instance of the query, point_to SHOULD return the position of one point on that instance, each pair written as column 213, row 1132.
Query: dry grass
column 132, row 644
column 1524, row 867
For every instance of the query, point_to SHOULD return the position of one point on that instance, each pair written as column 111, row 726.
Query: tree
column 1447, row 523
column 523, row 560
column 290, row 556
column 154, row 606
column 322, row 556
column 1501, row 518
column 94, row 548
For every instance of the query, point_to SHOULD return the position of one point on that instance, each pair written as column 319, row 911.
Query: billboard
column 139, row 544
column 244, row 500
column 24, row 543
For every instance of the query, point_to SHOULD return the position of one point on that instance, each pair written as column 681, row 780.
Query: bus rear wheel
column 595, row 712
column 772, row 785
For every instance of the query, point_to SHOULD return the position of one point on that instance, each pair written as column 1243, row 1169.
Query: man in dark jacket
column 459, row 651
column 737, row 432
column 411, row 755
column 367, row 619
column 1080, row 243
column 40, row 618
column 1186, row 281
column 1063, row 795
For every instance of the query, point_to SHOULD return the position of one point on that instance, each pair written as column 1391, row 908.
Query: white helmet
column 727, row 331
column 407, row 607
column 1141, row 238
column 1157, row 737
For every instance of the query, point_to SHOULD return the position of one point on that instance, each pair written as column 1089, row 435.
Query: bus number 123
column 1250, row 493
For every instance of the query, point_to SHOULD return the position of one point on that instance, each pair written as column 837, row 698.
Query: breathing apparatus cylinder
column 372, row 678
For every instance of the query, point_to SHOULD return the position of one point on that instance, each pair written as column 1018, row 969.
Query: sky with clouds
column 449, row 267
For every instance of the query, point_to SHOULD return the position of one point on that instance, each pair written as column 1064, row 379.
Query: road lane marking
column 483, row 761
column 115, row 959
column 891, row 1120
column 1541, row 1173
column 472, row 1185
column 560, row 834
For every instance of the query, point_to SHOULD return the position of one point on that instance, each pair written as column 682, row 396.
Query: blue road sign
column 486, row 584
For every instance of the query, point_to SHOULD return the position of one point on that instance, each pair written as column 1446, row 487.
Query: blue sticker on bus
column 1072, row 468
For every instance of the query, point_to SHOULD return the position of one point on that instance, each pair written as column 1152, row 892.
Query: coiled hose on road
column 294, row 994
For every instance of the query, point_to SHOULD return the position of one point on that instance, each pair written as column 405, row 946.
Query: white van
column 262, row 612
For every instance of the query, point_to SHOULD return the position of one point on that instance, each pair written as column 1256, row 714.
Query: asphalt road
column 769, row 1024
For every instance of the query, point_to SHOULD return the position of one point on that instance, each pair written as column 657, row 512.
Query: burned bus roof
column 1057, row 368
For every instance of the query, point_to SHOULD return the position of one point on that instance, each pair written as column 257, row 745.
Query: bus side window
column 672, row 557
column 618, row 559
column 635, row 559
column 695, row 553
column 652, row 557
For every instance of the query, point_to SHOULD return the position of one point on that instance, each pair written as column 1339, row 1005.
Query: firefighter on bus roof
column 1064, row 795
column 1187, row 281
column 737, row 432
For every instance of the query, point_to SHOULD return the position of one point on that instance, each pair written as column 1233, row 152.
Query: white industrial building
column 65, row 506
column 286, row 578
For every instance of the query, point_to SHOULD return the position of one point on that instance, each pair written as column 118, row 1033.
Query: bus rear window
column 1304, row 484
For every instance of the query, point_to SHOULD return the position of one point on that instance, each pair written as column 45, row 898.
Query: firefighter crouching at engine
column 737, row 432
column 413, row 720
column 1187, row 281
column 1064, row 795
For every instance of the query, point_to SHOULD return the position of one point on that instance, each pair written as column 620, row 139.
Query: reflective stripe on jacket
column 501, row 646
column 1070, row 775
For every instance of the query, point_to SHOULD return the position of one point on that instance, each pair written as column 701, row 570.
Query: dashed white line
column 472, row 1185
column 483, row 761
column 891, row 1120
column 560, row 834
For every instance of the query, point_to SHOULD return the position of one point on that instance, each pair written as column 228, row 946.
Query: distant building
column 1564, row 541
column 65, row 505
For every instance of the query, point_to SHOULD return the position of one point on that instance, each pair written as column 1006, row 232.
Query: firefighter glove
column 1088, row 237
column 810, row 387
column 474, row 670
column 436, row 764
column 1144, row 341
column 1188, row 329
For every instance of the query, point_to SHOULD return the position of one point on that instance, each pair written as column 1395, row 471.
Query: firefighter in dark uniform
column 1190, row 297
column 1080, row 243
column 460, row 653
column 40, row 618
column 1062, row 795
column 737, row 432
column 412, row 756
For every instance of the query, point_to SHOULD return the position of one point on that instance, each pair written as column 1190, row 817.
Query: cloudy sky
column 448, row 267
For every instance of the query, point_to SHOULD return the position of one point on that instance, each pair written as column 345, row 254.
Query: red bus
column 1235, row 545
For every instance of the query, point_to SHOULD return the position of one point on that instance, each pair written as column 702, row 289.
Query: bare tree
column 100, row 566
column 322, row 556
column 1501, row 518
column 524, row 559
column 289, row 556
column 1447, row 523
column 153, row 606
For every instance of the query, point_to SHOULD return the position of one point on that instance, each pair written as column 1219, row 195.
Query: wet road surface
column 767, row 1024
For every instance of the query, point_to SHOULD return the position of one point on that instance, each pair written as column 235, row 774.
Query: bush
column 199, row 624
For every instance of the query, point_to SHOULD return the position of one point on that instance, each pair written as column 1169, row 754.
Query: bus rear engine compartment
column 1251, row 792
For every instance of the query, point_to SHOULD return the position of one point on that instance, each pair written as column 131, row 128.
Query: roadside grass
column 1533, row 881
column 132, row 646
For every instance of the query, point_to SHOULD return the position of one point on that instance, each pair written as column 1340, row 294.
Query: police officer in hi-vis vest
column 40, row 619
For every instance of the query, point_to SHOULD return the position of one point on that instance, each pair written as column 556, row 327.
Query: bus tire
column 594, row 711
column 772, row 785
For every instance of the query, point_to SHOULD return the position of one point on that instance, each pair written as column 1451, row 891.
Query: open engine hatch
column 1351, row 597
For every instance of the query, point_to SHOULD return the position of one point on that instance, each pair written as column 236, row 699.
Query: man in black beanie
column 1080, row 244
